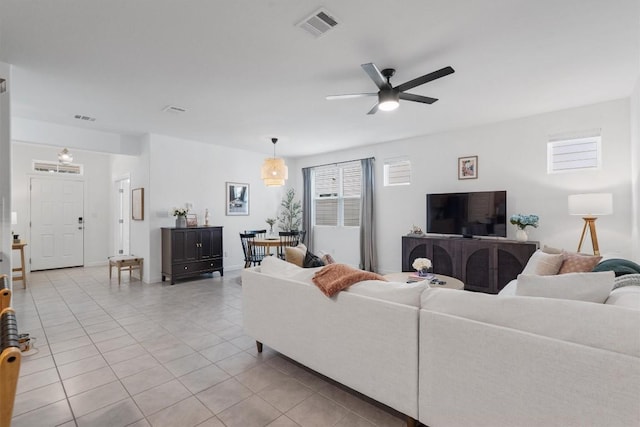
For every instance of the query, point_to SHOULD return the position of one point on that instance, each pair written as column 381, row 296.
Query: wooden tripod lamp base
column 590, row 223
column 590, row 206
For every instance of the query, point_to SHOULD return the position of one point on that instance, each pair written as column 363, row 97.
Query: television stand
column 483, row 265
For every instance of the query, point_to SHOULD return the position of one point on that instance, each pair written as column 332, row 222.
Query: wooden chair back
column 5, row 292
column 288, row 238
column 10, row 358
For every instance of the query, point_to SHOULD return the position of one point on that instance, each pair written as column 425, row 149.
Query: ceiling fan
column 389, row 96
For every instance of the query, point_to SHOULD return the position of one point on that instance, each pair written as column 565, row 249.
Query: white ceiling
column 246, row 73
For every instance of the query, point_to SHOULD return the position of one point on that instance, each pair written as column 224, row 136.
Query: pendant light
column 65, row 157
column 274, row 171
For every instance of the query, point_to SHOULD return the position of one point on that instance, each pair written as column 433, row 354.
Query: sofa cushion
column 402, row 293
column 295, row 255
column 578, row 263
column 596, row 325
column 627, row 296
column 551, row 250
column 543, row 264
column 591, row 287
column 311, row 260
column 333, row 278
column 274, row 266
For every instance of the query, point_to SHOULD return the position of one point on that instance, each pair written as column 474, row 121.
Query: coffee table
column 450, row 282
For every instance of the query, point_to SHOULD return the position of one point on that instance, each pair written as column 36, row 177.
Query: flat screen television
column 481, row 213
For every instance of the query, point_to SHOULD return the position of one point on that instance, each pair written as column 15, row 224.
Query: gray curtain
column 368, row 252
column 307, row 200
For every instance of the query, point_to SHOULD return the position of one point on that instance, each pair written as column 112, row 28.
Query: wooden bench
column 125, row 262
column 10, row 357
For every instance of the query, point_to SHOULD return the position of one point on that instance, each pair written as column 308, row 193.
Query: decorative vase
column 521, row 235
column 181, row 221
column 424, row 272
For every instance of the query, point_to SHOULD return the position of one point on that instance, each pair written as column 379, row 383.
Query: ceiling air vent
column 174, row 109
column 319, row 23
column 85, row 118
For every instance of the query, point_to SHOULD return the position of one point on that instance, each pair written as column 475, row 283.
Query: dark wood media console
column 484, row 265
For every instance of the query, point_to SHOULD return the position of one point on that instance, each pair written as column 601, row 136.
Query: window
column 397, row 172
column 570, row 155
column 336, row 193
column 57, row 168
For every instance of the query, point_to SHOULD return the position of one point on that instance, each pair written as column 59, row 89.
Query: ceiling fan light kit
column 65, row 157
column 274, row 171
column 389, row 96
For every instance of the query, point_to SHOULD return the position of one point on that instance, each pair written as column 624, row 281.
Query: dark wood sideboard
column 191, row 251
column 484, row 265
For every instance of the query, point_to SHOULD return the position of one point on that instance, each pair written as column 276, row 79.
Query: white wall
column 512, row 157
column 5, row 173
column 634, row 122
column 182, row 171
column 35, row 131
column 97, row 201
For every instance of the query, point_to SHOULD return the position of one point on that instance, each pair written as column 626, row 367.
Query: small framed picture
column 192, row 220
column 137, row 204
column 468, row 167
column 237, row 199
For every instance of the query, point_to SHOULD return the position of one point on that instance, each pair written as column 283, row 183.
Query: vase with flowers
column 522, row 222
column 422, row 266
column 270, row 221
column 181, row 217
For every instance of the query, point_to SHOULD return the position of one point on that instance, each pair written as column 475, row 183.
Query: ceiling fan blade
column 425, row 79
column 373, row 110
column 350, row 95
column 417, row 98
column 375, row 74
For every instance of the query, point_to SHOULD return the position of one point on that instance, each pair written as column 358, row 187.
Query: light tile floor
column 154, row 354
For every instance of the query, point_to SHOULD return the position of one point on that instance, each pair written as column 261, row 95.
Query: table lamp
column 589, row 207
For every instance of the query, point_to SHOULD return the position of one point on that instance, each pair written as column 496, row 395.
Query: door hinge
column 29, row 224
column 121, row 221
column 29, row 261
column 120, row 251
column 120, row 190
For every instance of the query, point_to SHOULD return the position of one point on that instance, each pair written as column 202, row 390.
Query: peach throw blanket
column 335, row 277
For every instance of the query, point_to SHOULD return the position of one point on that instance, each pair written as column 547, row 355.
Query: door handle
column 80, row 228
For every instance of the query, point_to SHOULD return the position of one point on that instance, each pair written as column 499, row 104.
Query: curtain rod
column 339, row 163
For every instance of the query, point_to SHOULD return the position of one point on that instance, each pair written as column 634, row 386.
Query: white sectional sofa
column 456, row 358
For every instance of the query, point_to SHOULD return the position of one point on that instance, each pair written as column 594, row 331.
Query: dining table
column 267, row 243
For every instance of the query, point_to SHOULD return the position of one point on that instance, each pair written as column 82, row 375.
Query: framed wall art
column 468, row 167
column 237, row 199
column 137, row 204
column 192, row 220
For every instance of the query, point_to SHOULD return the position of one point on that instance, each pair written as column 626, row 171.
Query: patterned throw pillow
column 578, row 263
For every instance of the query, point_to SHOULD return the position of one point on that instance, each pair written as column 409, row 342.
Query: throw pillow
column 543, row 264
column 591, row 287
column 311, row 260
column 627, row 280
column 618, row 266
column 295, row 255
column 578, row 263
column 336, row 277
column 327, row 259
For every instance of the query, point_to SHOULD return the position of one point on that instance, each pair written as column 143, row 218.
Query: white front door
column 57, row 223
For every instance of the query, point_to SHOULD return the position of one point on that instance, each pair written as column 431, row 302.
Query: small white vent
column 50, row 167
column 85, row 118
column 570, row 155
column 174, row 109
column 318, row 23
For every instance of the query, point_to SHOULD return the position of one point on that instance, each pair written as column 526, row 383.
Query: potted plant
column 181, row 217
column 270, row 221
column 522, row 222
column 290, row 216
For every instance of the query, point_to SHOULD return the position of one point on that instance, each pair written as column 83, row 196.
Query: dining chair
column 303, row 234
column 253, row 255
column 260, row 234
column 287, row 238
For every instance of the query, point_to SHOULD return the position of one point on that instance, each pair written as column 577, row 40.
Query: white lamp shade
column 274, row 172
column 14, row 218
column 591, row 204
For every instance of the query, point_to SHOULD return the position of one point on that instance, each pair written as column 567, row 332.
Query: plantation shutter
column 351, row 187
column 326, row 196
